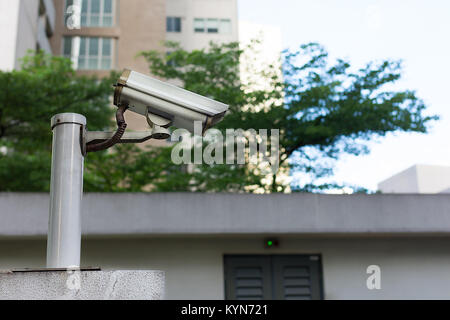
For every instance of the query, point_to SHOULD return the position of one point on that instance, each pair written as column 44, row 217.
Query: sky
column 415, row 31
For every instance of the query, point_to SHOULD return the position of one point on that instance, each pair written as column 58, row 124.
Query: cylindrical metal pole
column 66, row 189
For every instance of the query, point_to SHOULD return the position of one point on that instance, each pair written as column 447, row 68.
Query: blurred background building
column 195, row 23
column 419, row 178
column 104, row 35
column 109, row 33
column 27, row 25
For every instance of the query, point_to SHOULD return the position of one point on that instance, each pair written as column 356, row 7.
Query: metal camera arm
column 93, row 141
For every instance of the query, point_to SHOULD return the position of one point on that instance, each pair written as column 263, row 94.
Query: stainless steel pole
column 66, row 190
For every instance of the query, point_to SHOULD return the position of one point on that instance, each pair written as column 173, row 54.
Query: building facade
column 101, row 35
column 226, row 246
column 194, row 23
column 419, row 178
column 104, row 35
column 28, row 25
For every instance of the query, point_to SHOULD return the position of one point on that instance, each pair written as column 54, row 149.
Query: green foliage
column 128, row 168
column 43, row 87
column 25, row 171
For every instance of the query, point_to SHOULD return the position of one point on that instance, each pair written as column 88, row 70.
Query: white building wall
column 433, row 179
column 188, row 10
column 27, row 29
column 9, row 23
column 418, row 179
column 20, row 20
column 402, row 182
column 411, row 268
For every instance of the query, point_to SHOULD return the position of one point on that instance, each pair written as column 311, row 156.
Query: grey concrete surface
column 411, row 267
column 26, row 214
column 82, row 285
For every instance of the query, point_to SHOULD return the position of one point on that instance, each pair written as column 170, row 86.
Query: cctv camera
column 166, row 105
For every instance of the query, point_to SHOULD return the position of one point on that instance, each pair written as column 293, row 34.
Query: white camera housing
column 164, row 104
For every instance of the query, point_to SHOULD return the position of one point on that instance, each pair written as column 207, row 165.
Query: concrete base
column 82, row 285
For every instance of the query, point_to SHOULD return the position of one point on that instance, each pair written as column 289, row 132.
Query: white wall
column 433, row 179
column 9, row 22
column 27, row 30
column 402, row 182
column 411, row 268
column 418, row 179
column 190, row 9
column 19, row 20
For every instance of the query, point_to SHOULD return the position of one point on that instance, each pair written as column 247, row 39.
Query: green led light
column 269, row 243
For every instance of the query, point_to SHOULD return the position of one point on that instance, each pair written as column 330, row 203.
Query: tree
column 323, row 108
column 43, row 87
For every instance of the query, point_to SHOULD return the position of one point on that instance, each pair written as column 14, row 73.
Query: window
column 273, row 277
column 89, row 53
column 199, row 25
column 173, row 24
column 225, row 26
column 94, row 13
column 211, row 25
